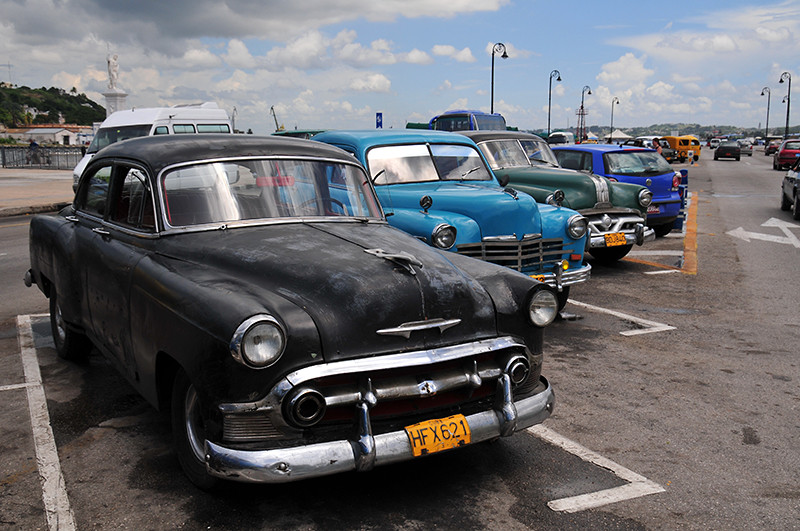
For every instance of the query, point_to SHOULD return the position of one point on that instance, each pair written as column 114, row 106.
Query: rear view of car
column 728, row 149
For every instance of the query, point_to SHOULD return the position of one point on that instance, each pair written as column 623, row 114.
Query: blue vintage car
column 635, row 165
column 437, row 186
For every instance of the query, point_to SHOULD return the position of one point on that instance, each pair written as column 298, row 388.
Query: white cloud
column 462, row 56
column 372, row 83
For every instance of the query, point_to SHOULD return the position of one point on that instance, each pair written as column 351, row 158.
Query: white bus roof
column 148, row 115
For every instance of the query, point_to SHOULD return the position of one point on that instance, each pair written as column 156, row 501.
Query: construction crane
column 277, row 127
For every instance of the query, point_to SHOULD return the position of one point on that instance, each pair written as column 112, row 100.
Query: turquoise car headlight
column 258, row 342
column 576, row 227
column 645, row 197
column 444, row 236
column 543, row 307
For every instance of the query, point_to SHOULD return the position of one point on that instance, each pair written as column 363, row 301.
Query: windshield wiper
column 476, row 168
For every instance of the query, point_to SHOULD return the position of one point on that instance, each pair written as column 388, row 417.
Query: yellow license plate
column 540, row 278
column 615, row 239
column 436, row 435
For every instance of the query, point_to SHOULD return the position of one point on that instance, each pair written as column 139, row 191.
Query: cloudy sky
column 336, row 63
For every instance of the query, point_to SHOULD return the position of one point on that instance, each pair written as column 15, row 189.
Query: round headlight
column 258, row 342
column 645, row 197
column 576, row 227
column 444, row 236
column 543, row 307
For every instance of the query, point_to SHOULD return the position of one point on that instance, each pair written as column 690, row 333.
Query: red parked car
column 786, row 154
column 772, row 147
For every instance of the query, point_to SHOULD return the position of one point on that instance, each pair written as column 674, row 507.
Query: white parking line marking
column 54, row 491
column 648, row 327
column 662, row 271
column 656, row 253
column 637, row 486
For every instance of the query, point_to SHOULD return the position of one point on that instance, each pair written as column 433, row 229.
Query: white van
column 561, row 137
column 179, row 119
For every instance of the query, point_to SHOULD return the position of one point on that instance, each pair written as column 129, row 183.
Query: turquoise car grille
column 531, row 253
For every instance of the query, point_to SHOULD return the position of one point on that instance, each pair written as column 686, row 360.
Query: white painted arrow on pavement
column 789, row 238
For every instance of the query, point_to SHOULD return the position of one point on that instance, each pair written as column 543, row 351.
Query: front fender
column 421, row 224
column 554, row 225
column 179, row 313
column 625, row 195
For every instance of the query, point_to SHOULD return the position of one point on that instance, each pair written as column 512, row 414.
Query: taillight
column 676, row 180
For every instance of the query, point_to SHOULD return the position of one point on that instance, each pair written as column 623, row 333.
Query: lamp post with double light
column 787, row 76
column 501, row 49
column 554, row 74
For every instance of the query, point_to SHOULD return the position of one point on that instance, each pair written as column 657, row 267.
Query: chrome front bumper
column 632, row 237
column 561, row 279
column 282, row 465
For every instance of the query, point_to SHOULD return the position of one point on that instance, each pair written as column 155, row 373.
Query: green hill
column 47, row 103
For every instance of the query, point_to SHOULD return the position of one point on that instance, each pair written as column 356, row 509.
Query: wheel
column 796, row 207
column 609, row 255
column 70, row 345
column 738, row 158
column 662, row 230
column 188, row 432
column 716, row 157
column 786, row 204
column 774, row 164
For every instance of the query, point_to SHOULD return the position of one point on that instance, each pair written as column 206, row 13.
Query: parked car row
column 309, row 307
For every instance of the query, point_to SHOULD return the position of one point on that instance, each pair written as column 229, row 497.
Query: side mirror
column 504, row 180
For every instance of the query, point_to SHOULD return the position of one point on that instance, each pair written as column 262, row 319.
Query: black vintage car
column 252, row 286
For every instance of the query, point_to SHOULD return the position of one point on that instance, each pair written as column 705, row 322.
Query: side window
column 133, row 204
column 182, row 128
column 213, row 128
column 161, row 130
column 574, row 160
column 94, row 195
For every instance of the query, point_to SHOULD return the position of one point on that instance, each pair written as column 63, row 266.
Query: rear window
column 792, row 145
column 636, row 163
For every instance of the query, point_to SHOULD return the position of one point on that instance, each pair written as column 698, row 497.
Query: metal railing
column 41, row 158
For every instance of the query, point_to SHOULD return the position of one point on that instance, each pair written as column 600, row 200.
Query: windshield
column 538, row 151
column 636, row 163
column 253, row 189
column 109, row 135
column 504, row 154
column 416, row 163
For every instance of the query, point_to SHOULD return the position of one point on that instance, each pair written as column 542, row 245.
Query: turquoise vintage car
column 437, row 186
column 616, row 212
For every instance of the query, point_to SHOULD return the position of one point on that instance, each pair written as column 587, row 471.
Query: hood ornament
column 405, row 260
column 405, row 329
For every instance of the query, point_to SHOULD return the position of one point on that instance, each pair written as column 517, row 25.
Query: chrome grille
column 241, row 428
column 529, row 253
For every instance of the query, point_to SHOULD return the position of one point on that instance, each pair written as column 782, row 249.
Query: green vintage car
column 616, row 211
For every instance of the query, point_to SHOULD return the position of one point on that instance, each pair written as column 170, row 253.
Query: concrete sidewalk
column 28, row 191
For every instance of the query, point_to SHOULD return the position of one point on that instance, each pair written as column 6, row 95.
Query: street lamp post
column 554, row 74
column 497, row 48
column 787, row 76
column 582, row 113
column 614, row 101
column 766, row 129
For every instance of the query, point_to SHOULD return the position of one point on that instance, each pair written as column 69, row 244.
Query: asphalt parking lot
column 676, row 406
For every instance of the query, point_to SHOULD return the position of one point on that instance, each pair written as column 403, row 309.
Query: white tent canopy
column 617, row 135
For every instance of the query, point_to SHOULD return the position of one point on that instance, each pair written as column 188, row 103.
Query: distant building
column 48, row 134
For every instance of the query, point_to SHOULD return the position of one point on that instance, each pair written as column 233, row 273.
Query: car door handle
column 101, row 232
